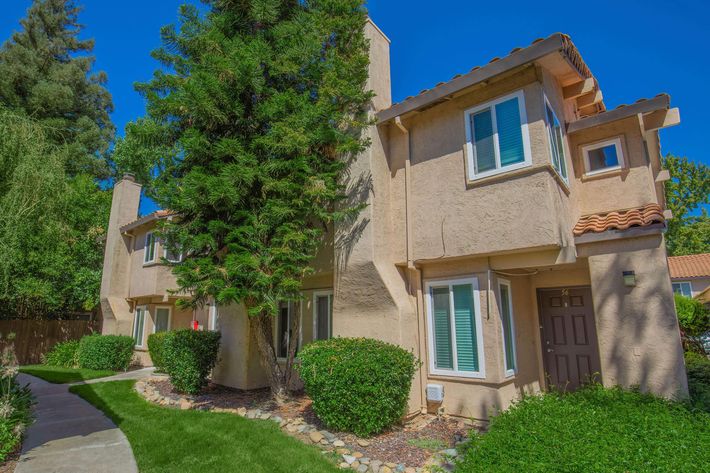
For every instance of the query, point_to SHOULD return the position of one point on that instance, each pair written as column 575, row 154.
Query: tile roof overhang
column 157, row 215
column 689, row 266
column 649, row 215
column 557, row 43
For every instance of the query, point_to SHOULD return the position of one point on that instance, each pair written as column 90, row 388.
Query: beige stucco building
column 513, row 240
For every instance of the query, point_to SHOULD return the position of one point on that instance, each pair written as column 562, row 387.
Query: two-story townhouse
column 512, row 239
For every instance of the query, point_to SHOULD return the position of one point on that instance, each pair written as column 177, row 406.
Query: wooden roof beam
column 579, row 88
column 592, row 98
column 661, row 119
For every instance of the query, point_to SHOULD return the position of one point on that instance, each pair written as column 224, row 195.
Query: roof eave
column 550, row 45
column 659, row 102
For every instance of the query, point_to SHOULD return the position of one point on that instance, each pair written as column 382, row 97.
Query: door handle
column 550, row 350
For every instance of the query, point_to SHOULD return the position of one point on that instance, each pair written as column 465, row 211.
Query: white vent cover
column 435, row 392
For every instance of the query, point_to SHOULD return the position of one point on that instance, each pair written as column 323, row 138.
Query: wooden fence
column 34, row 338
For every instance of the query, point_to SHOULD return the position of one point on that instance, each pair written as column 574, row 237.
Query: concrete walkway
column 69, row 435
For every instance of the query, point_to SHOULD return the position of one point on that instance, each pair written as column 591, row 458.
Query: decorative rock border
column 348, row 455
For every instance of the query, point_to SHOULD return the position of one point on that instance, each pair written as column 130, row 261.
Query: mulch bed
column 401, row 444
column 10, row 463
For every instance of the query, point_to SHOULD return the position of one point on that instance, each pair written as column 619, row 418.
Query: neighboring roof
column 158, row 214
column 689, row 266
column 644, row 216
column 659, row 102
column 539, row 48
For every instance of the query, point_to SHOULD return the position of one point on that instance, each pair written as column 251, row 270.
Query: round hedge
column 357, row 385
column 188, row 357
column 106, row 352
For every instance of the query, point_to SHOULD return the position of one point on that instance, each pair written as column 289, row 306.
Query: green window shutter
column 507, row 316
column 466, row 340
column 485, row 156
column 443, row 352
column 510, row 134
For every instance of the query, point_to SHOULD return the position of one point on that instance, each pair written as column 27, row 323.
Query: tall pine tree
column 45, row 70
column 253, row 122
column 55, row 131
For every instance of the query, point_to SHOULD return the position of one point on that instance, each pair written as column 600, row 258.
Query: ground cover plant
column 172, row 440
column 61, row 375
column 592, row 430
column 357, row 384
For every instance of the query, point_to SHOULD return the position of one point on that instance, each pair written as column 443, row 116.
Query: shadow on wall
column 637, row 347
column 350, row 230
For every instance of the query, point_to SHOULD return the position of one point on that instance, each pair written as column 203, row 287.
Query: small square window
column 603, row 156
column 683, row 288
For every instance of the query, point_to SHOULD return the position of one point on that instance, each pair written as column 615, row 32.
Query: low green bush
column 698, row 369
column 357, row 384
column 188, row 357
column 156, row 342
column 63, row 354
column 15, row 402
column 106, row 352
column 591, row 430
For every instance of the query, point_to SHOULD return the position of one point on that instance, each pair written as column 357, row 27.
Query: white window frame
column 213, row 317
column 681, row 283
column 473, row 281
column 549, row 137
column 508, row 372
column 170, row 316
column 148, row 236
column 144, row 310
column 470, row 148
column 602, row 144
column 317, row 294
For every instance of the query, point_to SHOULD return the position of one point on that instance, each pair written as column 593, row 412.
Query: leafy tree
column 54, row 133
column 694, row 321
column 688, row 189
column 45, row 69
column 253, row 123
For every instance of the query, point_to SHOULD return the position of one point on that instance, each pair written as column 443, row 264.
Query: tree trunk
column 295, row 331
column 262, row 329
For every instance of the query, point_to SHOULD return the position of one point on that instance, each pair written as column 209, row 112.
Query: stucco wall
column 637, row 327
column 453, row 217
column 632, row 186
column 151, row 278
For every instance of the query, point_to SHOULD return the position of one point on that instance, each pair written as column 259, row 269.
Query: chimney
column 117, row 264
column 379, row 80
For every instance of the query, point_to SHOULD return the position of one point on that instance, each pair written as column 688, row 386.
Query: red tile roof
column 620, row 219
column 689, row 266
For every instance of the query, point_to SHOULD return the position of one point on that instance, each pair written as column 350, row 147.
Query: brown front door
column 569, row 337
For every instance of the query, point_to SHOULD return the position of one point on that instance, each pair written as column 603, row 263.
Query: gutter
column 407, row 191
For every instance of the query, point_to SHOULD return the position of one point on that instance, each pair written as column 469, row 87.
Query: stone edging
column 349, row 457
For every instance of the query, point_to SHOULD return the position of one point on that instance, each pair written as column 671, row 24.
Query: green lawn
column 592, row 430
column 170, row 440
column 58, row 375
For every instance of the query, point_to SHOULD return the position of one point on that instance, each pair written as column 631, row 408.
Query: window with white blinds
column 455, row 331
column 497, row 138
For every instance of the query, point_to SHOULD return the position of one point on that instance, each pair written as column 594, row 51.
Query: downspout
column 413, row 273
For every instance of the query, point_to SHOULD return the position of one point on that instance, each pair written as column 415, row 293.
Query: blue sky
column 635, row 48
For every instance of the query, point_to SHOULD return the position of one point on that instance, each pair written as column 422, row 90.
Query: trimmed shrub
column 357, row 384
column 698, row 369
column 188, row 357
column 156, row 341
column 591, row 430
column 63, row 354
column 106, row 352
